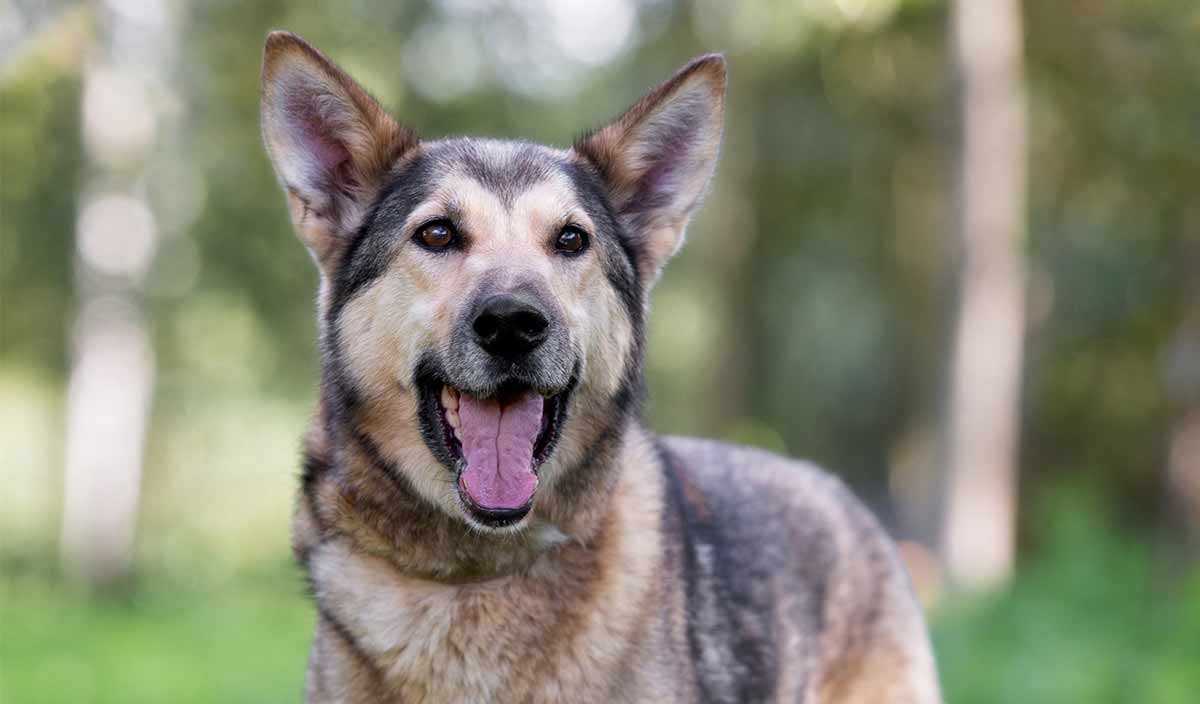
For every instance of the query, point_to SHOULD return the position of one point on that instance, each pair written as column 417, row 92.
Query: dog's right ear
column 658, row 157
column 330, row 142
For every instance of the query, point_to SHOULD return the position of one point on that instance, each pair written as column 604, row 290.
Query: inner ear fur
column 659, row 156
column 330, row 142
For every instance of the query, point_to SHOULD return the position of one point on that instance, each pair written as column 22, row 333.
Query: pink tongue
column 498, row 445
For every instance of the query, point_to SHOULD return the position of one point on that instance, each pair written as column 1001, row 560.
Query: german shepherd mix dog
column 483, row 517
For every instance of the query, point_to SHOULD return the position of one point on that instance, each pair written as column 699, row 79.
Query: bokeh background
column 157, row 363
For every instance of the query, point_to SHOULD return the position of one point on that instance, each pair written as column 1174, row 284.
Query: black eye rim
column 584, row 239
column 455, row 239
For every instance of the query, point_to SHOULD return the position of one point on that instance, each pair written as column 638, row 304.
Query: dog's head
column 481, row 301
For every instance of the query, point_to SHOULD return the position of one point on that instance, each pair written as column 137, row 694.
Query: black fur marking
column 337, row 387
column 675, row 523
column 507, row 174
column 731, row 627
column 398, row 479
column 313, row 468
column 342, row 402
column 620, row 262
column 370, row 250
column 303, row 559
column 624, row 406
column 577, row 481
column 343, row 633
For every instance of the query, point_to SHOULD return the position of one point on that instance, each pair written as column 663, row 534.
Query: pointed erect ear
column 657, row 158
column 330, row 142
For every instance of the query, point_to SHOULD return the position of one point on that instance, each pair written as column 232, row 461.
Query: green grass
column 1097, row 618
column 241, row 640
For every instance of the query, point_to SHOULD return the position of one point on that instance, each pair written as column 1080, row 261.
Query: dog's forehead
column 506, row 169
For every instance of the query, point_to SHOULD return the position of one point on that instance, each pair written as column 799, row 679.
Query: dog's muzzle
column 494, row 401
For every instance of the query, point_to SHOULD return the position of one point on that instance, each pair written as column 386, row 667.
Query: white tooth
column 453, row 419
column 457, row 435
column 449, row 398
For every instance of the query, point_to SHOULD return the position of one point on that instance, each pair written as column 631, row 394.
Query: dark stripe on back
column 731, row 621
column 675, row 523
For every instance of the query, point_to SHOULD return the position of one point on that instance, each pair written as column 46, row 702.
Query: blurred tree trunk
column 982, row 421
column 1181, row 379
column 112, row 367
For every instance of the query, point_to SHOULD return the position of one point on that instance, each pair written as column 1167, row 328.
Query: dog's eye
column 571, row 240
column 438, row 234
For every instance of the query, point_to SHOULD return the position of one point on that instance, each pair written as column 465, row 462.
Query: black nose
column 510, row 326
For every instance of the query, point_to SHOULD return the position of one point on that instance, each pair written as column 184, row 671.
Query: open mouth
column 495, row 445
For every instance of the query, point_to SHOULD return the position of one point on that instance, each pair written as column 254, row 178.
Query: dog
column 482, row 515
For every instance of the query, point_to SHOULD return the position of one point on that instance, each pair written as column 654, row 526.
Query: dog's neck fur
column 434, row 610
column 352, row 491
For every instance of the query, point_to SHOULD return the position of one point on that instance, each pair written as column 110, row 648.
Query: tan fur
column 435, row 641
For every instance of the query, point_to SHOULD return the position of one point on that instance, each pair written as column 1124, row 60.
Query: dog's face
column 481, row 301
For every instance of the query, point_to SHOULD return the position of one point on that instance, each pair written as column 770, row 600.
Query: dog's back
column 794, row 592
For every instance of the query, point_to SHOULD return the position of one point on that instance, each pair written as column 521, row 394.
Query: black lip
column 439, row 437
column 493, row 518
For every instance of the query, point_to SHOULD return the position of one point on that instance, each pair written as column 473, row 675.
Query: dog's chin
column 443, row 431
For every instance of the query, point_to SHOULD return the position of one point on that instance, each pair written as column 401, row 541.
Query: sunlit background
column 953, row 256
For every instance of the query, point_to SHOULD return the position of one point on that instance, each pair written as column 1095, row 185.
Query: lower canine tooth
column 453, row 419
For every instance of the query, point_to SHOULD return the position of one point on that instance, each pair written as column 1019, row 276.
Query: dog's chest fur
column 578, row 624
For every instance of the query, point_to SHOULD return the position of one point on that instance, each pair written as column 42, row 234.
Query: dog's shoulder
column 737, row 482
column 781, row 516
column 781, row 536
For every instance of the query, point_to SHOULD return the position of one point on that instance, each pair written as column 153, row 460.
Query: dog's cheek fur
column 605, row 334
column 382, row 333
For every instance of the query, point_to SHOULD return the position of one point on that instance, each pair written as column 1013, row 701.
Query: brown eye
column 436, row 235
column 571, row 240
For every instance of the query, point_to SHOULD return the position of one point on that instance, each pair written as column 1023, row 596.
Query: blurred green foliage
column 809, row 313
column 1092, row 619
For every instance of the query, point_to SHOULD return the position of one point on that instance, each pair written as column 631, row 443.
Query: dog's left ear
column 658, row 157
column 330, row 142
